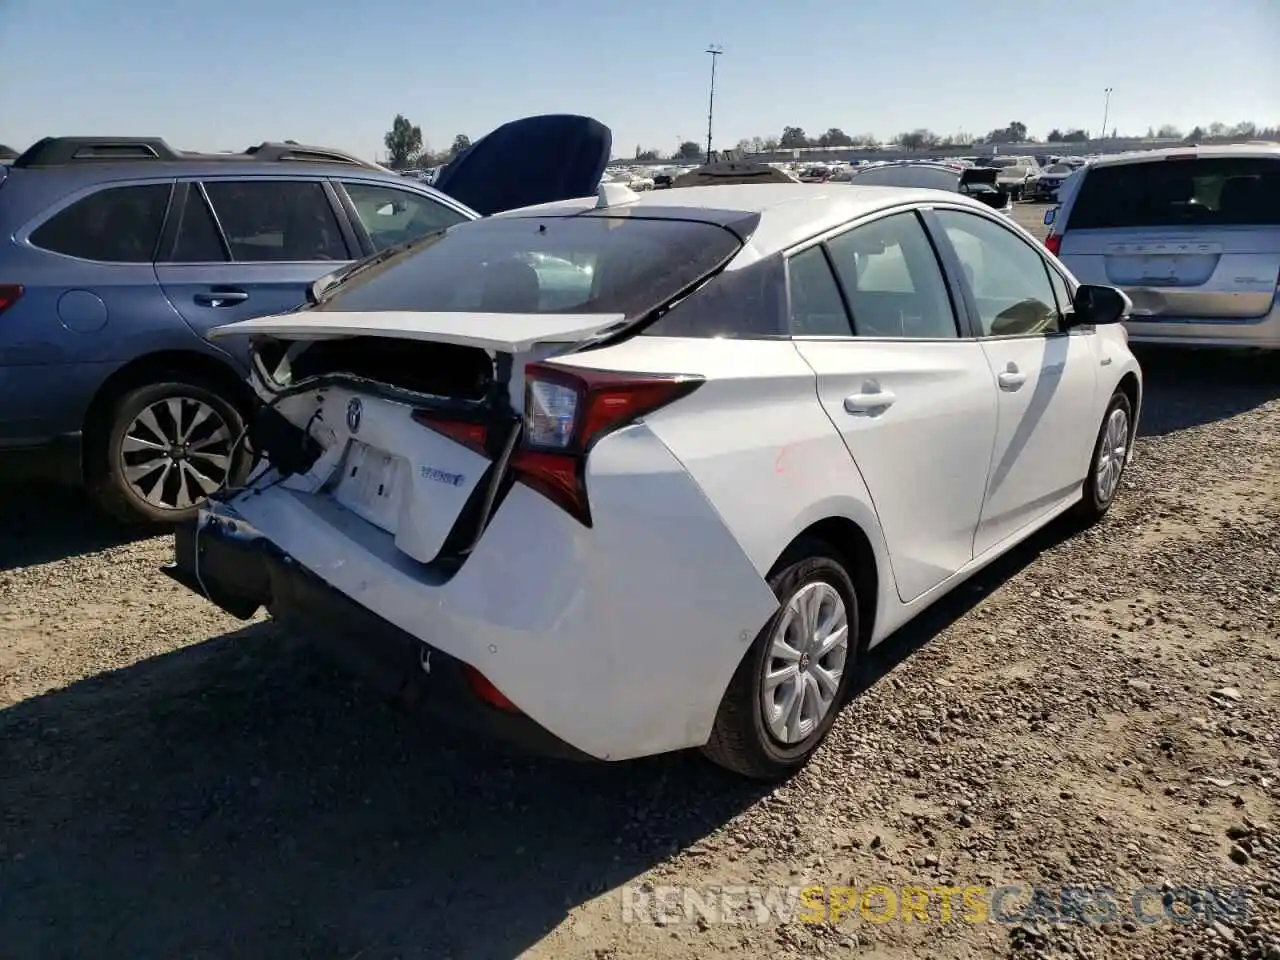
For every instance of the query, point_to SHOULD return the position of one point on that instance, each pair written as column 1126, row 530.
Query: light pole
column 1106, row 112
column 715, row 50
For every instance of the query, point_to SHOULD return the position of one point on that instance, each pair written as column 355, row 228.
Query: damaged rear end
column 416, row 402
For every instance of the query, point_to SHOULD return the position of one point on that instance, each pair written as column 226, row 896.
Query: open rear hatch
column 380, row 414
column 397, row 394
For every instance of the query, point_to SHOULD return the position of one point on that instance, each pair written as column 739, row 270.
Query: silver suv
column 1191, row 234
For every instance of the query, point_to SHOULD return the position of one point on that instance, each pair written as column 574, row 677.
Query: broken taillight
column 566, row 412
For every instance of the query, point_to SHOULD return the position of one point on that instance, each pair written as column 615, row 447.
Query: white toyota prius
column 637, row 473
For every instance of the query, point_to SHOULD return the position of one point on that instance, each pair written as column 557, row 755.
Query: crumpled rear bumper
column 239, row 570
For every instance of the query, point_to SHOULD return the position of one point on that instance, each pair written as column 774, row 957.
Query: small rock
column 1238, row 854
column 1229, row 693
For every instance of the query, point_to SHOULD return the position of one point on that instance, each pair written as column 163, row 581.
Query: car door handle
column 869, row 402
column 221, row 298
column 1011, row 380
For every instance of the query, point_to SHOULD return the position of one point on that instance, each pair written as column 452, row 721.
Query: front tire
column 789, row 688
column 1110, row 456
column 167, row 447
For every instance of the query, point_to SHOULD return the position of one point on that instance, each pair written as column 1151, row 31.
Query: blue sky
column 222, row 74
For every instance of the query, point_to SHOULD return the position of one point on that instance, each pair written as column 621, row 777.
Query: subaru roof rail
column 63, row 151
column 270, row 152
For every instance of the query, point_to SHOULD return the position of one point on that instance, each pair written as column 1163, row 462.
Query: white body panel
column 507, row 332
column 621, row 637
column 560, row 617
column 1045, row 434
column 916, row 453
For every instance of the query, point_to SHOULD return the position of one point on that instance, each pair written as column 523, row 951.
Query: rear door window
column 892, row 280
column 393, row 216
column 277, row 220
column 116, row 225
column 1208, row 192
column 198, row 238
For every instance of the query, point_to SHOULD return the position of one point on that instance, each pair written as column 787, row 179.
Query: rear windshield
column 1217, row 191
column 584, row 264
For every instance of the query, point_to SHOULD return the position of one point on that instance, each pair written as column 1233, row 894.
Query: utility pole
column 1106, row 112
column 715, row 50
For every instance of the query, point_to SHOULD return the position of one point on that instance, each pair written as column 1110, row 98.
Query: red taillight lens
column 482, row 687
column 1053, row 243
column 10, row 293
column 565, row 414
column 470, row 434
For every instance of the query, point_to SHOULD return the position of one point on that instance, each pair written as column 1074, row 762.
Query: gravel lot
column 1097, row 709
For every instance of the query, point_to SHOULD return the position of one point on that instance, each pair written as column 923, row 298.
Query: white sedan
column 633, row 474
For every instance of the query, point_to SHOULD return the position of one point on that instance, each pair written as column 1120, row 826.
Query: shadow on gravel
column 241, row 798
column 39, row 524
column 917, row 633
column 1190, row 388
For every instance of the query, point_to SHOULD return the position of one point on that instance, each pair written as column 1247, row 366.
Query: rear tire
column 167, row 446
column 748, row 736
column 1110, row 456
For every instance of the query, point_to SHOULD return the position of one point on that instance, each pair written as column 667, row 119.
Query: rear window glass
column 1219, row 191
column 117, row 225
column 591, row 264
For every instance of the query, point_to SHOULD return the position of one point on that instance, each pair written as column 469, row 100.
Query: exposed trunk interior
column 438, row 369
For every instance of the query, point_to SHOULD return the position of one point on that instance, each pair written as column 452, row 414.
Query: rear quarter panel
column 757, row 441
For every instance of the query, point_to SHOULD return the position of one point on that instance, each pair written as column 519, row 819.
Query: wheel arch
column 155, row 368
column 853, row 546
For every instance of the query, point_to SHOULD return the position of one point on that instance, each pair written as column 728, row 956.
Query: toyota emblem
column 353, row 414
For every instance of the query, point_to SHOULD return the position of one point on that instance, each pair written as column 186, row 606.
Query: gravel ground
column 1097, row 709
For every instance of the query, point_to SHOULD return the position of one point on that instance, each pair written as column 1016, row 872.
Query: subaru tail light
column 566, row 412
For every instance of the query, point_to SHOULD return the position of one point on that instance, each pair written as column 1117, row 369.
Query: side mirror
column 1050, row 215
column 1094, row 304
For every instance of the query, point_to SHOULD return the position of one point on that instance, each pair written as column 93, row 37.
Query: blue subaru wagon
column 117, row 255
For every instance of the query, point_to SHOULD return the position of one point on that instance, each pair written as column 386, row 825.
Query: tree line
column 922, row 138
column 406, row 148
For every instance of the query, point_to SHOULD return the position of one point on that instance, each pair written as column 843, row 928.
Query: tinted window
column 816, row 307
column 393, row 216
column 1008, row 278
column 118, row 225
column 1223, row 191
column 891, row 276
column 622, row 264
column 273, row 220
column 198, row 237
column 746, row 303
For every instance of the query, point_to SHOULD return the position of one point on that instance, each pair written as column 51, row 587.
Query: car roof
column 1205, row 152
column 789, row 212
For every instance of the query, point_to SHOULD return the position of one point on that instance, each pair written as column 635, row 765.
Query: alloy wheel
column 1112, row 453
column 176, row 452
column 804, row 663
